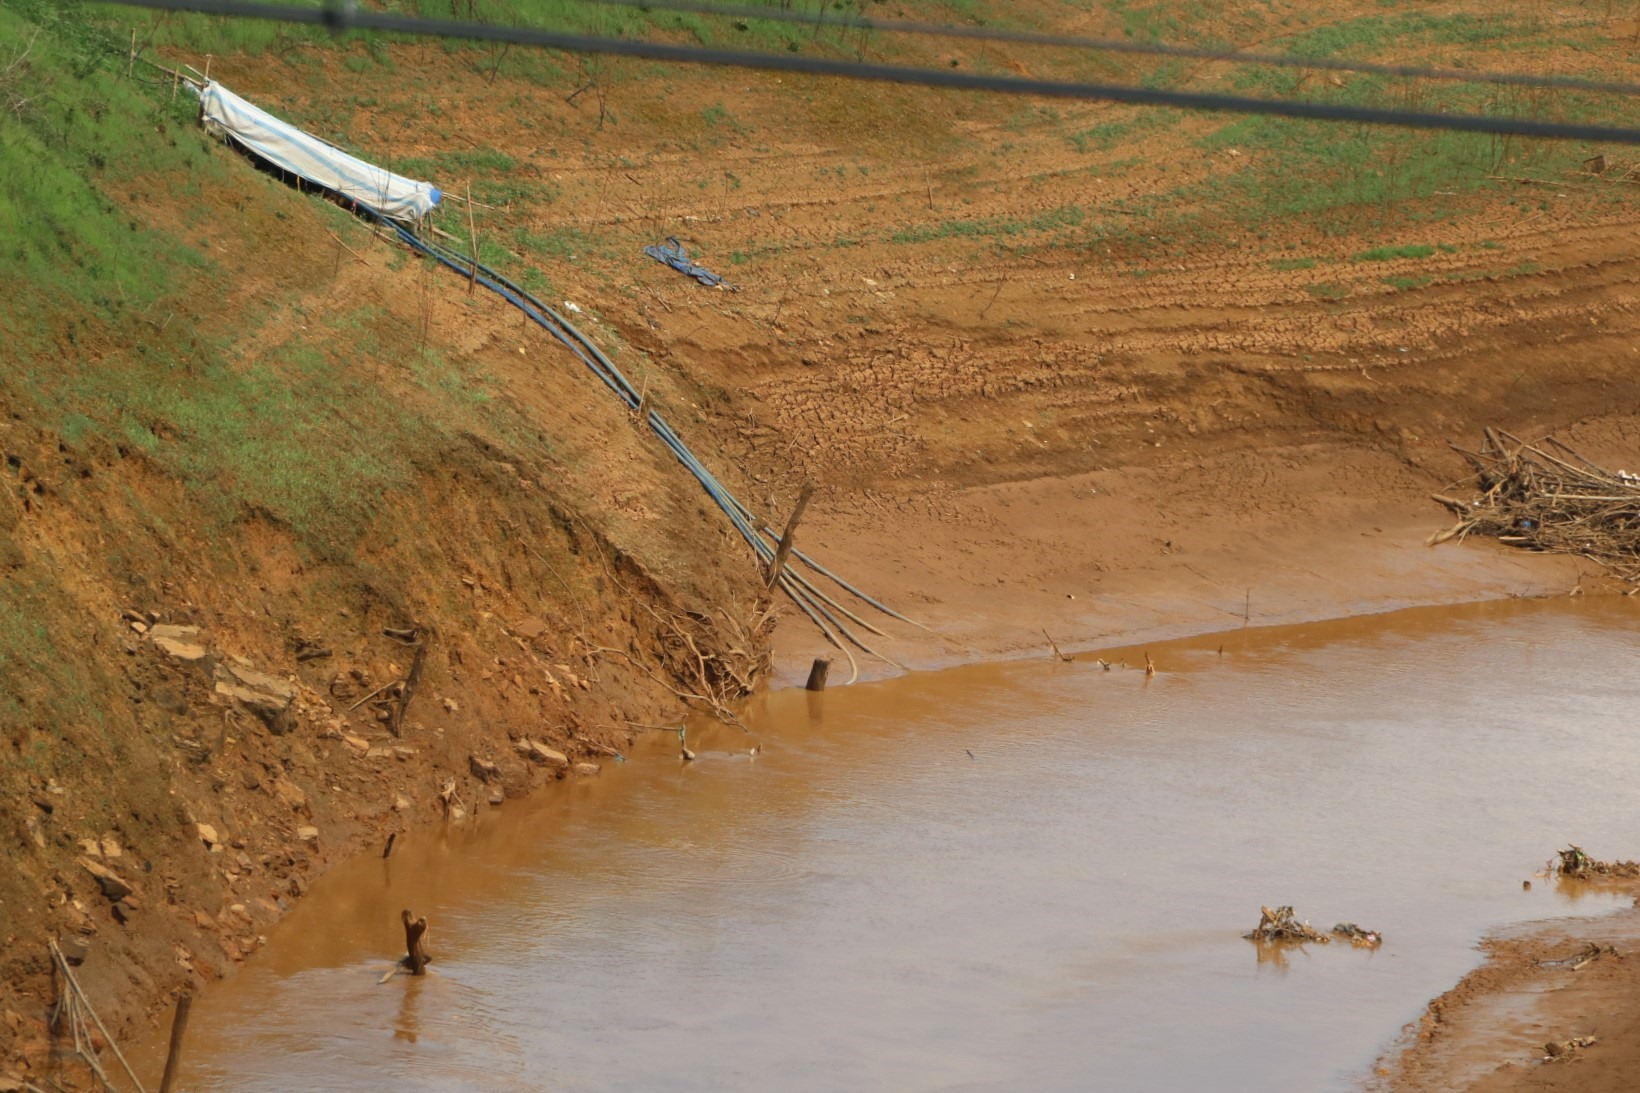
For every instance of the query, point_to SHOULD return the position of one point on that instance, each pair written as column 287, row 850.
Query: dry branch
column 1533, row 498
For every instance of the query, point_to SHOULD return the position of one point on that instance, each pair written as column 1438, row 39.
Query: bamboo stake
column 86, row 1005
column 472, row 240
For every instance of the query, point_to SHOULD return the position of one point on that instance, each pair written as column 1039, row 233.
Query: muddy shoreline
column 1469, row 573
column 1490, row 1032
column 863, row 745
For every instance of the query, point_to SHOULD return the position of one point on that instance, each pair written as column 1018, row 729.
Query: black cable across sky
column 342, row 17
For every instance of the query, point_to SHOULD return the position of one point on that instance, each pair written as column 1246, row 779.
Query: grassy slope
column 122, row 357
column 223, row 401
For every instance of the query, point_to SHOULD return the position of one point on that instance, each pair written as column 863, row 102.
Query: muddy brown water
column 864, row 906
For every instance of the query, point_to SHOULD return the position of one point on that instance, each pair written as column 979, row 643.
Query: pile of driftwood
column 1547, row 497
column 1280, row 924
column 1573, row 862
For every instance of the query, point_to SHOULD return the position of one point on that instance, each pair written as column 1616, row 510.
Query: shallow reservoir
column 864, row 906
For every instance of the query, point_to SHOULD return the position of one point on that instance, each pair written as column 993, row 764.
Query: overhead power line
column 341, row 18
column 1116, row 45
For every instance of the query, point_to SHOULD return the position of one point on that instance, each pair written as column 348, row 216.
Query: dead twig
column 372, row 694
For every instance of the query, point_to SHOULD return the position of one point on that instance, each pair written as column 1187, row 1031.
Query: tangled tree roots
column 1534, row 498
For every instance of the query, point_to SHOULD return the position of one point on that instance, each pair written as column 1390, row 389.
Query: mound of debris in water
column 1573, row 862
column 1280, row 924
column 1546, row 497
column 1359, row 936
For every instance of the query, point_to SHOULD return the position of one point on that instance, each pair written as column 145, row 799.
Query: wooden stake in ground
column 1067, row 658
column 817, row 674
column 415, row 948
column 784, row 550
column 173, row 1057
column 472, row 241
column 395, row 722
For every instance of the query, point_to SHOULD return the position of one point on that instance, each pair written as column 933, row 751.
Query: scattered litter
column 1359, row 937
column 1562, row 1048
column 1279, row 924
column 569, row 306
column 673, row 254
column 1573, row 862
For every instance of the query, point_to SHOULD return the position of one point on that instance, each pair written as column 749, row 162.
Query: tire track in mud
column 909, row 395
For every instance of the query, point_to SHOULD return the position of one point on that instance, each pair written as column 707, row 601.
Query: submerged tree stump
column 415, row 947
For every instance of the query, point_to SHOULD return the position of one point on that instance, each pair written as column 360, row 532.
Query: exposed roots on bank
column 1546, row 497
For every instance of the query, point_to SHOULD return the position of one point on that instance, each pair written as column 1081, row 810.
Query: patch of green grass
column 562, row 243
column 1106, row 135
column 1328, row 290
column 460, row 161
column 1403, row 282
column 105, row 342
column 82, row 128
column 1390, row 254
column 717, row 116
column 1289, row 264
column 1167, row 74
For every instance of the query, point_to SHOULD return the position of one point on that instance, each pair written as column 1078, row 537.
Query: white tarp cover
column 287, row 147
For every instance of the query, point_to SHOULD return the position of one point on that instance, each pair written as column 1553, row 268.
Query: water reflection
column 407, row 1026
column 866, row 906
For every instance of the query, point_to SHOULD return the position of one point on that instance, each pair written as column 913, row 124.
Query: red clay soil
column 1492, row 1032
column 1006, row 440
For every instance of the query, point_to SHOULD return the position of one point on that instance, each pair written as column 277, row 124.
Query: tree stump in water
column 415, row 948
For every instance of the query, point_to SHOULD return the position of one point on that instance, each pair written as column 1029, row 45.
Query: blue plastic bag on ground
column 672, row 254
